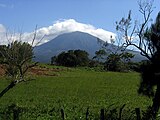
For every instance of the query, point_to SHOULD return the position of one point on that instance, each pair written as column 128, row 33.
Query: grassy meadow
column 73, row 90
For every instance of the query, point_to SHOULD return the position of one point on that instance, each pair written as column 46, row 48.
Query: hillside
column 72, row 41
column 64, row 42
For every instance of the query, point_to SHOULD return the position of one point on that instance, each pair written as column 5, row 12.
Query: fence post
column 102, row 114
column 87, row 114
column 120, row 111
column 15, row 115
column 62, row 114
column 138, row 113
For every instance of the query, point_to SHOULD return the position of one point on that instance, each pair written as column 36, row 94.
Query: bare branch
column 131, row 31
column 34, row 36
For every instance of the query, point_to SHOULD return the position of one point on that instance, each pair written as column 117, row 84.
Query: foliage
column 150, row 71
column 98, row 66
column 53, row 60
column 118, row 62
column 146, row 86
column 135, row 66
column 82, row 57
column 147, row 41
column 72, row 58
column 139, row 35
column 113, row 62
column 2, row 47
column 152, row 37
column 100, row 54
column 17, row 57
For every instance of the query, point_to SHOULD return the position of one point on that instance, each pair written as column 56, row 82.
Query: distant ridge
column 72, row 41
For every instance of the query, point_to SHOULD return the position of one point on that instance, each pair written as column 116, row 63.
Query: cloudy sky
column 54, row 17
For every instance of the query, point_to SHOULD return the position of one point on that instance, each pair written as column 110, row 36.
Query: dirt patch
column 44, row 71
column 2, row 71
column 37, row 71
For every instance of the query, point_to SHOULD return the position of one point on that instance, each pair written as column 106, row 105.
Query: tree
column 53, row 60
column 127, row 64
column 67, row 59
column 82, row 57
column 72, row 58
column 147, row 41
column 118, row 61
column 126, row 57
column 113, row 62
column 100, row 54
column 1, row 55
column 17, row 58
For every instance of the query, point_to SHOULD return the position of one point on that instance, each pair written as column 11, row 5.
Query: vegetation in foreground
column 73, row 90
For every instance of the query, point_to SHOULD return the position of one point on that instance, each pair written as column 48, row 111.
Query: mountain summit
column 65, row 42
column 73, row 41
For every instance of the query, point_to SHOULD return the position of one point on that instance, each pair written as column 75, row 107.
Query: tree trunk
column 156, row 102
column 11, row 85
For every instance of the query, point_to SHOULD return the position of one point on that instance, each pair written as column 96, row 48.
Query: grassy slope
column 74, row 90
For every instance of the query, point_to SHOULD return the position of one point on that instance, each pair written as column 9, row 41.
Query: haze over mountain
column 72, row 41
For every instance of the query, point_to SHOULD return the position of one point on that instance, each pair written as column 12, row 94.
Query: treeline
column 119, row 62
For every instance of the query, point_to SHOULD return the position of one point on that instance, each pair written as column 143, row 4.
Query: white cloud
column 2, row 34
column 64, row 26
column 2, row 29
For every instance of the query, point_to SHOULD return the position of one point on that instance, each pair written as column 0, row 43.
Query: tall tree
column 147, row 41
column 17, row 58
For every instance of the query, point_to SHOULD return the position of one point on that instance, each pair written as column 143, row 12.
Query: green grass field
column 73, row 90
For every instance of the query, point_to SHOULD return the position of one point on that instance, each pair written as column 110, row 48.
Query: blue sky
column 26, row 14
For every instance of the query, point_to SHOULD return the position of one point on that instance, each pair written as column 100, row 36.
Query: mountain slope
column 73, row 41
column 64, row 42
